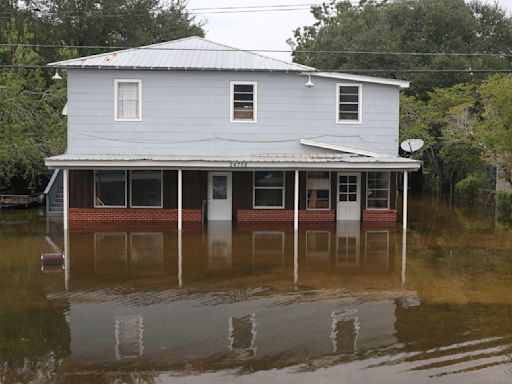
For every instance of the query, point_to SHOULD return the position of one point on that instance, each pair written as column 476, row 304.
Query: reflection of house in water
column 110, row 252
column 268, row 246
column 344, row 331
column 242, row 335
column 147, row 252
column 128, row 331
column 219, row 244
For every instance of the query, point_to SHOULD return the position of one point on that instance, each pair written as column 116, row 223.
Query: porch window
column 348, row 105
column 318, row 187
column 146, row 191
column 377, row 187
column 110, row 189
column 268, row 189
column 243, row 101
column 128, row 100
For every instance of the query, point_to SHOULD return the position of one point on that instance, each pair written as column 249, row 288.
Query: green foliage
column 406, row 26
column 31, row 124
column 467, row 189
column 504, row 204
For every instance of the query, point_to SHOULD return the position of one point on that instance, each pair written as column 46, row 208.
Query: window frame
column 232, row 84
column 116, row 89
column 254, row 187
column 125, row 191
column 330, row 192
column 380, row 189
column 360, row 104
column 161, row 189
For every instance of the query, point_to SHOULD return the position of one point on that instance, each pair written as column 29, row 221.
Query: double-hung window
column 268, row 189
column 146, row 189
column 377, row 187
column 243, row 101
column 318, row 186
column 348, row 103
column 110, row 189
column 128, row 100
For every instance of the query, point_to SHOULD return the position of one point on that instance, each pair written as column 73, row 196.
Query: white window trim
column 161, row 190
column 232, row 100
column 125, row 191
column 360, row 104
column 389, row 192
column 330, row 194
column 116, row 82
column 254, row 192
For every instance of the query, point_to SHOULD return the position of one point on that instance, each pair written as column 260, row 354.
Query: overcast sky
column 266, row 30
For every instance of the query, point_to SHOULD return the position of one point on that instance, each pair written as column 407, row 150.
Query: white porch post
column 65, row 191
column 296, row 202
column 180, row 199
column 404, row 208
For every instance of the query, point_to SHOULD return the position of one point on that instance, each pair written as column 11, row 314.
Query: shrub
column 504, row 205
column 466, row 190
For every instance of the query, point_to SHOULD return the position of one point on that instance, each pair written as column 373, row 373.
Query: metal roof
column 273, row 160
column 365, row 79
column 190, row 53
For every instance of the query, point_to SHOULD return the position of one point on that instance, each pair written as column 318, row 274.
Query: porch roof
column 323, row 160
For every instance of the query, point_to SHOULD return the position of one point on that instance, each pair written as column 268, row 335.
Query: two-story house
column 193, row 130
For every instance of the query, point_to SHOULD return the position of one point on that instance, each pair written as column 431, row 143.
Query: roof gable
column 190, row 53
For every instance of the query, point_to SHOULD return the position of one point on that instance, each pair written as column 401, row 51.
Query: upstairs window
column 128, row 100
column 243, row 101
column 377, row 186
column 268, row 189
column 348, row 106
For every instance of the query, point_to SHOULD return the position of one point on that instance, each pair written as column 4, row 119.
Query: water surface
column 339, row 303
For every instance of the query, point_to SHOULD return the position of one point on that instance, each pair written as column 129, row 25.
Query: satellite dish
column 412, row 145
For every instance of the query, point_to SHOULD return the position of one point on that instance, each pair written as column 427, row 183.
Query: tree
column 30, row 123
column 407, row 26
column 495, row 130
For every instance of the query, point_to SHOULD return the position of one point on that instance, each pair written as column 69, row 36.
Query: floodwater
column 255, row 303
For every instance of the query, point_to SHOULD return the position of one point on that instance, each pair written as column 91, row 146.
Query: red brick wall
column 283, row 215
column 132, row 214
column 380, row 216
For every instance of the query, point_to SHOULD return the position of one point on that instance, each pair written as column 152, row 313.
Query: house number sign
column 238, row 164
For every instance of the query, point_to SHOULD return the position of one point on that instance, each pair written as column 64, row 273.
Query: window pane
column 352, row 197
column 380, row 204
column 146, row 188
column 220, row 190
column 378, row 190
column 349, row 107
column 349, row 98
column 318, row 199
column 243, row 113
column 318, row 175
column 268, row 197
column 128, row 100
column 349, row 116
column 243, row 88
column 110, row 188
column 268, row 178
column 349, row 90
column 243, row 97
column 352, row 179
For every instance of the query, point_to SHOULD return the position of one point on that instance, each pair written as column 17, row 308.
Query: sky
column 265, row 30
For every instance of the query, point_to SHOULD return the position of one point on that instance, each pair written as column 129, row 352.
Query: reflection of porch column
column 65, row 191
column 180, row 195
column 404, row 255
column 406, row 187
column 296, row 202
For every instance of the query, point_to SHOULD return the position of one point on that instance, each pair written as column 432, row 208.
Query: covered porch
column 293, row 188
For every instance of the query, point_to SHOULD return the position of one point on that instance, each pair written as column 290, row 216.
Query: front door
column 349, row 196
column 219, row 196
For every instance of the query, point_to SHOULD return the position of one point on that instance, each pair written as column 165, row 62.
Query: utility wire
column 391, row 70
column 344, row 52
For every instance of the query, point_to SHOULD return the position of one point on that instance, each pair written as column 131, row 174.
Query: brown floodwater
column 252, row 303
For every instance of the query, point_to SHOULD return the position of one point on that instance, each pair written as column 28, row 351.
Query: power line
column 355, row 70
column 344, row 52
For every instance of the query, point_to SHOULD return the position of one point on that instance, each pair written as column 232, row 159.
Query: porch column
column 296, row 202
column 65, row 191
column 180, row 200
column 406, row 187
